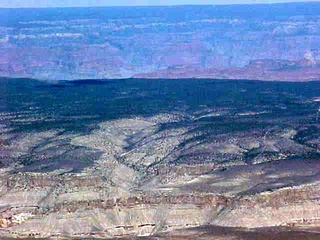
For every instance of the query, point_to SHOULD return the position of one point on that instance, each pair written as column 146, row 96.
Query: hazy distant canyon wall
column 125, row 42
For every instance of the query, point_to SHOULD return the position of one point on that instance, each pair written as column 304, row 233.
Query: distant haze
column 84, row 3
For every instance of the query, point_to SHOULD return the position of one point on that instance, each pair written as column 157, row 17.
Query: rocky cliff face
column 86, row 210
column 102, row 43
column 138, row 192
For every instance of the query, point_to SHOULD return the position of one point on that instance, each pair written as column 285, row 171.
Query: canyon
column 260, row 42
column 180, row 122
